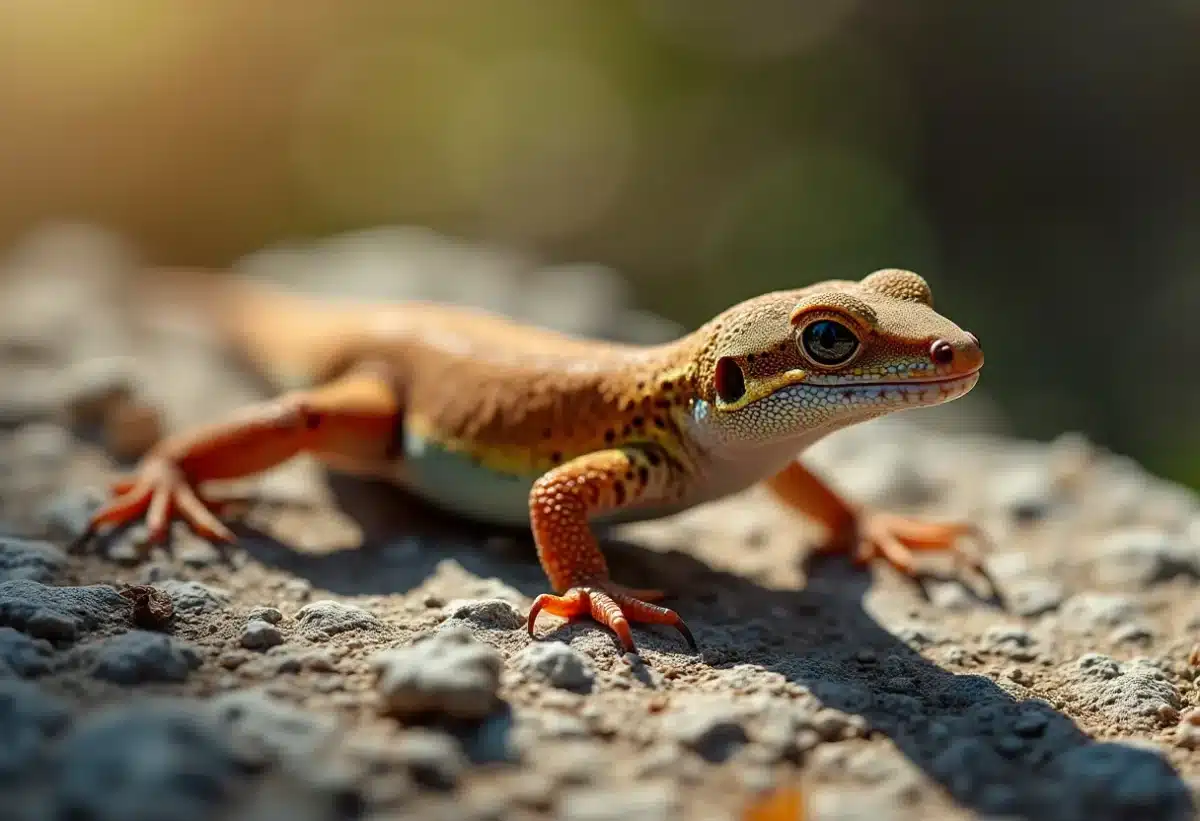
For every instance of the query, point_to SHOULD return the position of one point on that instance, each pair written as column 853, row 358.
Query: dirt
column 356, row 655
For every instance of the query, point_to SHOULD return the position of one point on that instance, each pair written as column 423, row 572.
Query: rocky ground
column 357, row 656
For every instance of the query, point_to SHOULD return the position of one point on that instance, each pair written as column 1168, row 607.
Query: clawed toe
column 612, row 606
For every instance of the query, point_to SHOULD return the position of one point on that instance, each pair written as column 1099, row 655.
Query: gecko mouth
column 914, row 381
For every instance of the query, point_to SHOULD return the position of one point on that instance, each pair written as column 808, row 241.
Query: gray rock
column 26, row 559
column 140, row 656
column 1132, row 633
column 1130, row 696
column 1143, row 555
column 1102, row 781
column 21, row 655
column 1085, row 612
column 494, row 614
column 713, row 730
column 146, row 762
column 268, row 614
column 1011, row 642
column 650, row 802
column 67, row 514
column 60, row 613
column 319, row 661
column 28, row 718
column 260, row 635
column 267, row 729
column 447, row 671
column 559, row 664
column 193, row 597
column 330, row 617
column 1034, row 596
column 433, row 759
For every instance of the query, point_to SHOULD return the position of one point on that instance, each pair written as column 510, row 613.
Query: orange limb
column 786, row 804
column 867, row 534
column 560, row 504
column 351, row 419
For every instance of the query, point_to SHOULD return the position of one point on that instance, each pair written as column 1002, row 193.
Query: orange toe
column 612, row 606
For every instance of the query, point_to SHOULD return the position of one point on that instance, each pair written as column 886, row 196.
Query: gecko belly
column 455, row 482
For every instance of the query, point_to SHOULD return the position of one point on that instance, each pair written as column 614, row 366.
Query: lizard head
column 793, row 366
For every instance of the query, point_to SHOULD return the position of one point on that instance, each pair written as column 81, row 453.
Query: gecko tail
column 290, row 338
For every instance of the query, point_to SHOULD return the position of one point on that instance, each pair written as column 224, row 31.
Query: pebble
column 1129, row 696
column 1011, row 642
column 1085, row 612
column 318, row 661
column 90, row 389
column 193, row 597
column 22, row 655
column 448, row 671
column 28, row 718
column 1034, row 596
column 60, row 613
column 67, row 514
column 140, row 657
column 266, row 728
column 268, row 614
column 332, row 617
column 649, row 802
column 433, row 759
column 30, row 560
column 1142, row 555
column 493, row 614
column 715, row 731
column 558, row 664
column 260, row 635
column 153, row 609
column 145, row 762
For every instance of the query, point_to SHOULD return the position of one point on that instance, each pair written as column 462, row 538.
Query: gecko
column 515, row 425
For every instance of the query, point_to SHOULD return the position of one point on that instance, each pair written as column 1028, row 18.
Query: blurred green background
column 1038, row 162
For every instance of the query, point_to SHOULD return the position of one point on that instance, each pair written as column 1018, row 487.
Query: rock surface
column 354, row 656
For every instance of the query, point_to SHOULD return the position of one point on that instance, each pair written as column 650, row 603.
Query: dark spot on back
column 619, row 490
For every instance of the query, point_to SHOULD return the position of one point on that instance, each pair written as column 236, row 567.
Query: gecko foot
column 159, row 490
column 895, row 538
column 614, row 607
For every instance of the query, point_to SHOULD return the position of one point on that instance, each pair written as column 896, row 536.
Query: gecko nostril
column 941, row 352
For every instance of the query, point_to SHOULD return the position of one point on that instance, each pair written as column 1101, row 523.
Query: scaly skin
column 511, row 424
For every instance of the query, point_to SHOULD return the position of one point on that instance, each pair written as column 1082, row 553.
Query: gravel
column 446, row 672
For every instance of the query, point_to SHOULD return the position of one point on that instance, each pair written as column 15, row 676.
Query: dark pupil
column 829, row 342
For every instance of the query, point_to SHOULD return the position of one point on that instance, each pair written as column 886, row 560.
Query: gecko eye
column 729, row 380
column 828, row 343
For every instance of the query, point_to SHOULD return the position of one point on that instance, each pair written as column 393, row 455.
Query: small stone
column 1025, row 490
column 1012, row 642
column 714, row 731
column 1130, row 696
column 28, row 719
column 657, row 802
column 433, row 601
column 67, row 514
column 1034, row 596
column 145, row 761
column 447, row 671
column 31, row 560
column 298, row 588
column 494, row 614
column 131, row 429
column 332, row 617
column 1142, row 555
column 433, row 759
column 152, row 607
column 1085, row 612
column 557, row 663
column 60, row 613
column 260, row 635
column 1132, row 633
column 21, row 655
column 193, row 597
column 140, row 657
column 268, row 614
column 318, row 661
column 268, row 729
column 91, row 388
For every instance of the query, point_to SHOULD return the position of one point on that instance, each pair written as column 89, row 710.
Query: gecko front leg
column 560, row 504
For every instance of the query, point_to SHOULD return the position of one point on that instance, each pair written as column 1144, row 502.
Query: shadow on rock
column 997, row 755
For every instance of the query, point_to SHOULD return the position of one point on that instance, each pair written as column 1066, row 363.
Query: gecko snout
column 966, row 355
